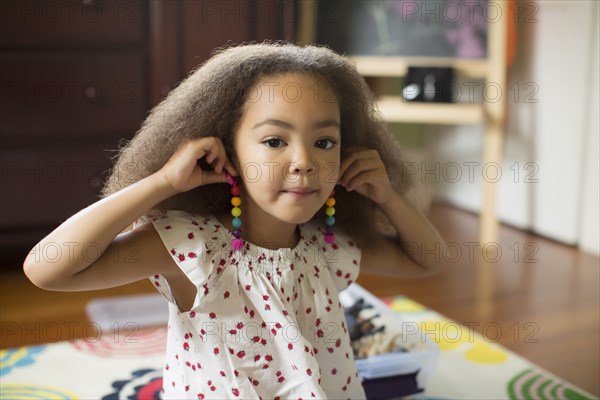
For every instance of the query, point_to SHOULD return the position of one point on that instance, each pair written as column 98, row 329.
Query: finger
column 201, row 178
column 199, row 148
column 214, row 149
column 356, row 153
column 211, row 149
column 345, row 164
column 197, row 177
column 361, row 179
column 356, row 168
column 230, row 167
column 223, row 159
column 214, row 177
column 219, row 161
column 224, row 165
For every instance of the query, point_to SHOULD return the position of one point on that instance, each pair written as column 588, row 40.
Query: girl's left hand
column 362, row 170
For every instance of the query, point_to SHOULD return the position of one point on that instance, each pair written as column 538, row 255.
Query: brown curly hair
column 209, row 103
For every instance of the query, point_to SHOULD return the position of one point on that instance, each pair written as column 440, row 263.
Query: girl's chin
column 299, row 217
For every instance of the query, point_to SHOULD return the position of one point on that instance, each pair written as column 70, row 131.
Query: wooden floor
column 544, row 298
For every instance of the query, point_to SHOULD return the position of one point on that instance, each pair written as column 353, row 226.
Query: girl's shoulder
column 342, row 258
column 344, row 248
column 180, row 216
column 315, row 231
column 183, row 228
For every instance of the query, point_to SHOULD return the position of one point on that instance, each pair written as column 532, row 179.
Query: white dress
column 265, row 323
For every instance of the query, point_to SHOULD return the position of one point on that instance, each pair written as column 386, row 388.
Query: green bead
column 330, row 220
column 236, row 211
column 330, row 211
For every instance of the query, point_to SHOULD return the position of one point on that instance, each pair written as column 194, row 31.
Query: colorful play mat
column 127, row 365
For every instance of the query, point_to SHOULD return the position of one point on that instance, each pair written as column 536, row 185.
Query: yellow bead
column 330, row 202
column 330, row 211
column 236, row 211
column 236, row 201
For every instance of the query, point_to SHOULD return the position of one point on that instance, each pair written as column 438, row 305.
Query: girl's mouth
column 300, row 193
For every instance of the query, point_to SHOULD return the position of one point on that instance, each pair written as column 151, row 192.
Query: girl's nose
column 302, row 163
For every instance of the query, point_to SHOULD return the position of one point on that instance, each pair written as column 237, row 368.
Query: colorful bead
column 232, row 180
column 330, row 220
column 237, row 244
column 236, row 211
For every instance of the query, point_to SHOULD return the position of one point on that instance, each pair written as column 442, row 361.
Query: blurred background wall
column 550, row 180
column 79, row 76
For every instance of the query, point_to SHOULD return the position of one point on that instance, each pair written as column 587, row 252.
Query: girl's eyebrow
column 287, row 125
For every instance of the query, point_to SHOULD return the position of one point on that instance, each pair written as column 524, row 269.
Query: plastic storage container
column 396, row 374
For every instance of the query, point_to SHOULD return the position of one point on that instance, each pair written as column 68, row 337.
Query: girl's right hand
column 183, row 172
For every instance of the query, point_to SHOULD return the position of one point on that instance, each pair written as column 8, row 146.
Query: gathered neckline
column 228, row 235
column 271, row 260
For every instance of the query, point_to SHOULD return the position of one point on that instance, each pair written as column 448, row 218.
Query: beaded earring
column 236, row 211
column 330, row 220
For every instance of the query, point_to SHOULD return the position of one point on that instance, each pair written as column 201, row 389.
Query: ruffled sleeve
column 342, row 258
column 190, row 241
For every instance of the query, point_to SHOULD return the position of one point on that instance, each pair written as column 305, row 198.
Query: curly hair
column 209, row 102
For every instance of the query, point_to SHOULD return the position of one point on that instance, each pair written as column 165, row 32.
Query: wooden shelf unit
column 398, row 66
column 492, row 114
column 395, row 109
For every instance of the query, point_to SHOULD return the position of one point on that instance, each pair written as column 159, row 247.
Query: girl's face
column 287, row 145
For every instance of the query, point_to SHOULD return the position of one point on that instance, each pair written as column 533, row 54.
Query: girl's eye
column 273, row 143
column 326, row 144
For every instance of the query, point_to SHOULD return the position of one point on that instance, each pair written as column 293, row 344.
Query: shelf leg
column 492, row 157
column 488, row 228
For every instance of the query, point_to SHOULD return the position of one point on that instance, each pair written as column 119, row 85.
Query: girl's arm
column 417, row 251
column 88, row 252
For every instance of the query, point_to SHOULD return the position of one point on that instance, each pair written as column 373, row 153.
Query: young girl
column 253, row 190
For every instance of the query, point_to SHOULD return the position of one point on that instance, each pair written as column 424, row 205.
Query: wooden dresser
column 77, row 76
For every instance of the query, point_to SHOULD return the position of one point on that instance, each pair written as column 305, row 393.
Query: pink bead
column 237, row 244
column 330, row 238
column 230, row 179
